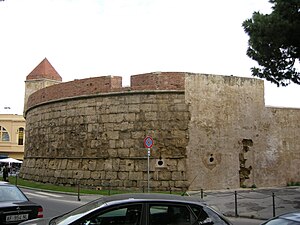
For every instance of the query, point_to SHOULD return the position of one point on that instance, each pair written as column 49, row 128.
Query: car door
column 182, row 214
column 129, row 214
column 170, row 214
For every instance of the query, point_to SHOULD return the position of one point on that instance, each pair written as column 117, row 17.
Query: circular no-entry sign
column 148, row 142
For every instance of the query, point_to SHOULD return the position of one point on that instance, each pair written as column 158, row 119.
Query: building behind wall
column 12, row 136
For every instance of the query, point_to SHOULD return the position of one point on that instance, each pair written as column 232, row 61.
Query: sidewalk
column 259, row 203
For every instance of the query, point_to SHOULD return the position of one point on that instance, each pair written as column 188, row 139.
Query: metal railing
column 254, row 203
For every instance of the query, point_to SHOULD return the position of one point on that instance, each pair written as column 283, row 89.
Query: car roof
column 294, row 216
column 151, row 197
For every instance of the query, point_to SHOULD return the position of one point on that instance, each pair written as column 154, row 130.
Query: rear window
column 11, row 193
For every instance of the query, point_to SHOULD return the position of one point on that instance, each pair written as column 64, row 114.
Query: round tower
column 42, row 76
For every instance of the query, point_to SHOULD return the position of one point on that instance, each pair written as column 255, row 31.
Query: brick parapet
column 158, row 81
column 107, row 84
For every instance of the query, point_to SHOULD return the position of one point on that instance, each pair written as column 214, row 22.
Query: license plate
column 17, row 217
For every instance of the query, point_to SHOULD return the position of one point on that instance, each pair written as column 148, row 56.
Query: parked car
column 292, row 218
column 139, row 209
column 15, row 207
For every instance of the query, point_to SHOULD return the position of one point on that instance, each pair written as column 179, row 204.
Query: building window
column 4, row 136
column 21, row 136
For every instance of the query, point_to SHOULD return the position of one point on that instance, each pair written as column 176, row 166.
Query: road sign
column 148, row 142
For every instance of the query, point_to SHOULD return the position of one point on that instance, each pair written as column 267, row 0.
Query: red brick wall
column 106, row 84
column 158, row 81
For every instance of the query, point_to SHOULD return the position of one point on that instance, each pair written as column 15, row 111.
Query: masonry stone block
column 108, row 165
column 100, row 164
column 77, row 174
column 129, row 184
column 178, row 175
column 123, row 152
column 167, row 184
column 134, row 109
column 181, row 165
column 111, row 175
column 129, row 117
column 135, row 175
column 123, row 175
column 57, row 173
column 164, row 175
column 113, row 152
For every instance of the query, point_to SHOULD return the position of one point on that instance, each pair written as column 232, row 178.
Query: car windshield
column 77, row 213
column 11, row 193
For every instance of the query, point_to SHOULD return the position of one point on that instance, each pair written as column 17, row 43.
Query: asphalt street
column 259, row 203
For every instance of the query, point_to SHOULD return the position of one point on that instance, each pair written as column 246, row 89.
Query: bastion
column 209, row 132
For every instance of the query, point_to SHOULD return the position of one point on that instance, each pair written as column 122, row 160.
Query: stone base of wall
column 109, row 174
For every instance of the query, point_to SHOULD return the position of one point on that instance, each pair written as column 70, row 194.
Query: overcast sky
column 88, row 38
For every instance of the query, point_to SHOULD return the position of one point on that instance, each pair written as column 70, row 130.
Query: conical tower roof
column 44, row 71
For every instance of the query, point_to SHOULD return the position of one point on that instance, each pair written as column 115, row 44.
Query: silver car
column 292, row 218
column 139, row 209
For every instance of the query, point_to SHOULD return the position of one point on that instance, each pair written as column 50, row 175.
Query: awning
column 10, row 160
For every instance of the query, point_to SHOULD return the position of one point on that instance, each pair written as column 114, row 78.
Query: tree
column 274, row 42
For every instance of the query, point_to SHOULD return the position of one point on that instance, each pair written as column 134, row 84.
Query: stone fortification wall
column 98, row 138
column 278, row 161
column 234, row 140
column 210, row 132
column 225, row 116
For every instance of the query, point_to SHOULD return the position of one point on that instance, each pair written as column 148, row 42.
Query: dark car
column 15, row 207
column 139, row 209
column 292, row 218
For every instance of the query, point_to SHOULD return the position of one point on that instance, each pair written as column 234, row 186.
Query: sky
column 90, row 38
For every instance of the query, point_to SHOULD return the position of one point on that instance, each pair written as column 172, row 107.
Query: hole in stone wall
column 246, row 148
column 211, row 158
column 244, row 171
column 247, row 142
column 160, row 162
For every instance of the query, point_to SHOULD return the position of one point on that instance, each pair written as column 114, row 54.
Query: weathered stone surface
column 215, row 133
column 107, row 145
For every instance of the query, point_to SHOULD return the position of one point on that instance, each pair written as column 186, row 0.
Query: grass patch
column 293, row 183
column 73, row 189
column 43, row 186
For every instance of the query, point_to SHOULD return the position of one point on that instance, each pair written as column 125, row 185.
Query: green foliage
column 245, row 186
column 293, row 183
column 52, row 187
column 274, row 42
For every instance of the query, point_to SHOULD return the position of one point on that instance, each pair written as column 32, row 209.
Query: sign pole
column 148, row 143
column 148, row 170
